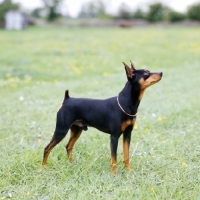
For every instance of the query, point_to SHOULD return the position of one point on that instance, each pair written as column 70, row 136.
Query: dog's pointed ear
column 129, row 71
column 132, row 66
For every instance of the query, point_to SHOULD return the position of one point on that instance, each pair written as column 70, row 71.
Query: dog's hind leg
column 74, row 135
column 60, row 132
column 57, row 137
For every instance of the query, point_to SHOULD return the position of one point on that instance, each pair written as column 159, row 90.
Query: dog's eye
column 146, row 75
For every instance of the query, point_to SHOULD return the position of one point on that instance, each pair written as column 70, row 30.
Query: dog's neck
column 129, row 98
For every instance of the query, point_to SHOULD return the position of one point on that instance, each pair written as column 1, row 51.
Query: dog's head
column 141, row 78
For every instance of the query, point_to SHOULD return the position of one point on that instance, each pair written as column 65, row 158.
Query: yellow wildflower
column 8, row 76
column 184, row 164
column 27, row 79
column 135, row 126
column 76, row 70
column 105, row 74
column 152, row 188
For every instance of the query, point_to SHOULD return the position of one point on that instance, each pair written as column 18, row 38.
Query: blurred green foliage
column 156, row 12
column 176, row 16
column 194, row 12
column 5, row 6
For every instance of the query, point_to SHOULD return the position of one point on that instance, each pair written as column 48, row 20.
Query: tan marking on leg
column 113, row 165
column 48, row 149
column 126, row 155
column 126, row 144
column 74, row 135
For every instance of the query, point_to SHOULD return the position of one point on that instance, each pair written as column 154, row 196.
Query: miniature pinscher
column 115, row 115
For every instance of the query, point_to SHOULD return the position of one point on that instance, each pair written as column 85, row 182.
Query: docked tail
column 66, row 94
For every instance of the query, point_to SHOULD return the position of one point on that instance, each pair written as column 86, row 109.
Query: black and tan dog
column 115, row 115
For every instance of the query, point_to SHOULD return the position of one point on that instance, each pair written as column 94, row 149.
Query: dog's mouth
column 156, row 80
column 160, row 77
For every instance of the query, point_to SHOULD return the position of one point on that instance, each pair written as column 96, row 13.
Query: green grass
column 38, row 64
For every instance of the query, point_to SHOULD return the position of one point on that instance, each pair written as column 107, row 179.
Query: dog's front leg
column 126, row 144
column 113, row 146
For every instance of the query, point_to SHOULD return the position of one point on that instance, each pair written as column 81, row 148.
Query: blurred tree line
column 51, row 10
column 5, row 6
column 156, row 12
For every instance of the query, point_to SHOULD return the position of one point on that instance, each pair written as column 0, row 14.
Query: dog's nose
column 160, row 73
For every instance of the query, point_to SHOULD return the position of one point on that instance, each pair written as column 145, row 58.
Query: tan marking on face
column 154, row 78
column 127, row 123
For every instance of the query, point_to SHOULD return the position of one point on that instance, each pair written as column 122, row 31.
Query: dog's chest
column 125, row 124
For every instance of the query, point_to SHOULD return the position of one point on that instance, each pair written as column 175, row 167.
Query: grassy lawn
column 38, row 64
